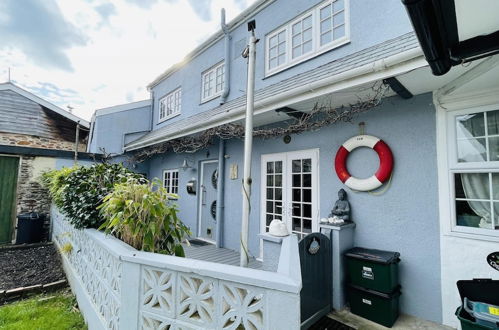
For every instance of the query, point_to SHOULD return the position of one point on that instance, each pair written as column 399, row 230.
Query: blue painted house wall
column 371, row 22
column 111, row 131
column 404, row 218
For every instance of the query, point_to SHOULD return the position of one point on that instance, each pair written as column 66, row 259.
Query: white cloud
column 122, row 56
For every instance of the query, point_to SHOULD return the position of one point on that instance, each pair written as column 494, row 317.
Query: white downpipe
column 248, row 146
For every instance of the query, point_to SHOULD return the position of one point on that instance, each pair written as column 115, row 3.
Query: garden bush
column 79, row 191
column 144, row 216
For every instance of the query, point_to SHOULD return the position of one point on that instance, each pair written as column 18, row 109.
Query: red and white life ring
column 385, row 163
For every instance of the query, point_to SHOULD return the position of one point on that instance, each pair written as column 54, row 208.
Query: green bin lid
column 378, row 256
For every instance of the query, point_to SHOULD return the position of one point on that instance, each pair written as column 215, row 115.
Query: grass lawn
column 53, row 311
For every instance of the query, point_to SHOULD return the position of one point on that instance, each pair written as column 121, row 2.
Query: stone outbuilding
column 35, row 136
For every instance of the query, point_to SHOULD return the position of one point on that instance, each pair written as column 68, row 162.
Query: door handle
column 203, row 195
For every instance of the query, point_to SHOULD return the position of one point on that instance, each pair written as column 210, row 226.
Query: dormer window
column 170, row 105
column 212, row 82
column 316, row 31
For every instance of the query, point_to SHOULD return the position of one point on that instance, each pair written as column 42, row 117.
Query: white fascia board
column 232, row 25
column 122, row 107
column 391, row 66
column 46, row 104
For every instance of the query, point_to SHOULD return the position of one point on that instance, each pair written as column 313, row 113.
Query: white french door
column 290, row 191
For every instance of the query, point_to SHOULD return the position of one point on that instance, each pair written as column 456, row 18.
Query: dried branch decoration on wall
column 321, row 115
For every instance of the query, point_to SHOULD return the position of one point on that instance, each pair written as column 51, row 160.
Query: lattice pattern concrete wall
column 119, row 287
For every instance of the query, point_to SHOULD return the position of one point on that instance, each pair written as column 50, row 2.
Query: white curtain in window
column 476, row 186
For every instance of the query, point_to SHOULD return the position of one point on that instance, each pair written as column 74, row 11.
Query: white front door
column 207, row 228
column 290, row 191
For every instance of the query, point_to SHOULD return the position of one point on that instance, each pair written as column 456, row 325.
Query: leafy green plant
column 77, row 192
column 144, row 216
column 55, row 181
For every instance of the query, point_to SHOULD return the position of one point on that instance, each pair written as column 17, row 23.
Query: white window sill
column 167, row 118
column 307, row 57
column 211, row 98
column 462, row 233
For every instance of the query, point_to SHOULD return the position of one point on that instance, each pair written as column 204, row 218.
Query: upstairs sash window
column 318, row 30
column 170, row 105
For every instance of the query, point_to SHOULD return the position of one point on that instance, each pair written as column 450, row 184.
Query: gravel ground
column 29, row 266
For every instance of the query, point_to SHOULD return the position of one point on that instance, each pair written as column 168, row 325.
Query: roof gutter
column 424, row 19
column 286, row 97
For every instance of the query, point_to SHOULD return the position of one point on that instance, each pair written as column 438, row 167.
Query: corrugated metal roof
column 369, row 55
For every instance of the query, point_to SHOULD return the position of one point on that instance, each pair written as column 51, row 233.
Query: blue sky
column 91, row 54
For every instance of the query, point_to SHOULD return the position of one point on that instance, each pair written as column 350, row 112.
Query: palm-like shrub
column 144, row 216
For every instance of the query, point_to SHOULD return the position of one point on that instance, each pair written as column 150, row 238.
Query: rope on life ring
column 385, row 163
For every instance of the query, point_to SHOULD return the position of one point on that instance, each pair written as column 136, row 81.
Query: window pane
column 296, row 210
column 307, row 47
column 470, row 125
column 307, row 210
column 273, row 63
column 273, row 41
column 307, row 165
column 493, row 122
column 307, row 35
column 326, row 38
column 296, row 165
column 307, row 226
column 273, row 52
column 296, row 224
column 493, row 149
column 296, row 180
column 339, row 32
column 307, row 195
column 472, row 185
column 467, row 216
column 338, row 19
column 270, row 180
column 281, row 59
column 270, row 193
column 495, row 186
column 270, row 167
column 307, row 22
column 297, row 40
column 278, row 180
column 278, row 194
column 282, row 36
column 338, row 5
column 307, row 180
column 278, row 167
column 296, row 52
column 325, row 26
column 296, row 195
column 471, row 150
column 270, row 207
column 296, row 28
column 325, row 12
column 282, row 48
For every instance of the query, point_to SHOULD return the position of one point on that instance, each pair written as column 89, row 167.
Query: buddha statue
column 341, row 210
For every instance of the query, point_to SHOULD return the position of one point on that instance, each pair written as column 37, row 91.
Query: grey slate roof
column 369, row 55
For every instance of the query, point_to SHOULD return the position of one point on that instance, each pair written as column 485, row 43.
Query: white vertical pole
column 248, row 145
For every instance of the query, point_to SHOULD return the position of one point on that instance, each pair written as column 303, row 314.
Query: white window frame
column 171, row 185
column 449, row 165
column 317, row 49
column 216, row 93
column 174, row 99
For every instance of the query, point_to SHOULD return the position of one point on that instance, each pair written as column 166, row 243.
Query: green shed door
column 8, row 182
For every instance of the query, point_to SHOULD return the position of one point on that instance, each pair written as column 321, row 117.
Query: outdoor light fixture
column 185, row 165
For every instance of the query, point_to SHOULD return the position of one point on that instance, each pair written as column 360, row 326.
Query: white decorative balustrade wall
column 118, row 287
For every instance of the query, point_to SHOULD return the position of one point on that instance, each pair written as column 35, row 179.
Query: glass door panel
column 273, row 191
